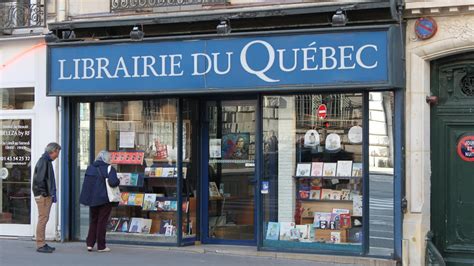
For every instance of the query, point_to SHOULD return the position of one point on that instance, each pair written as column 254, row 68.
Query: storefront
column 287, row 141
column 28, row 122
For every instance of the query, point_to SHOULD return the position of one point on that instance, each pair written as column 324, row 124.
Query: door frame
column 204, row 173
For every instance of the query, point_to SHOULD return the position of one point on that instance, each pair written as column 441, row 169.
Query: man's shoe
column 44, row 249
column 50, row 247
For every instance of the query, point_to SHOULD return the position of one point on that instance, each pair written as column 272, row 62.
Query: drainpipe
column 58, row 172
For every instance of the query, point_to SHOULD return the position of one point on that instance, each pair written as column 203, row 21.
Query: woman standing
column 94, row 195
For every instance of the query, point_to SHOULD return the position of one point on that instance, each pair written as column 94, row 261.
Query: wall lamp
column 223, row 28
column 136, row 34
column 340, row 18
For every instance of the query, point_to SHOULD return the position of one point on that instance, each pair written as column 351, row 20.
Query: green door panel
column 452, row 178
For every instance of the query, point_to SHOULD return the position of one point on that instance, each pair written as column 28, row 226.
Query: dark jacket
column 44, row 183
column 94, row 191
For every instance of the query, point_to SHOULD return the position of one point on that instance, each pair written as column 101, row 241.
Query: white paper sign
column 215, row 148
column 127, row 139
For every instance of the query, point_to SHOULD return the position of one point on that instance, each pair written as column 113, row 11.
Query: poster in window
column 215, row 149
column 235, row 146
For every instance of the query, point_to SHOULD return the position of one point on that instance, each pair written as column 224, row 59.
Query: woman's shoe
column 89, row 249
column 104, row 250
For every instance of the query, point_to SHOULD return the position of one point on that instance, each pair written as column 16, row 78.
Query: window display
column 142, row 139
column 313, row 164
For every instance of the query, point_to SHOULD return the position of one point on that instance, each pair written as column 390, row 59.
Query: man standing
column 44, row 189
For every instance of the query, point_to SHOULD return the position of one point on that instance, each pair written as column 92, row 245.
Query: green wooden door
column 452, row 190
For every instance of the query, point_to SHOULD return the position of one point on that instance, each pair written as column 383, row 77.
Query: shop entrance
column 229, row 181
column 452, row 149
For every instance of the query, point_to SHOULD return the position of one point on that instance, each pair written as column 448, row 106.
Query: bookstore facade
column 287, row 141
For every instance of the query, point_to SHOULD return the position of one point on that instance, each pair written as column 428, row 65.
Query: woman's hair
column 103, row 156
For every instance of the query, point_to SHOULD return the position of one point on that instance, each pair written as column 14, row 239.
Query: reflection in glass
column 381, row 228
column 82, row 159
column 17, row 98
column 15, row 171
column 313, row 166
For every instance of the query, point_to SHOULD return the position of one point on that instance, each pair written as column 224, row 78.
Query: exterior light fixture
column 340, row 18
column 51, row 37
column 136, row 34
column 223, row 27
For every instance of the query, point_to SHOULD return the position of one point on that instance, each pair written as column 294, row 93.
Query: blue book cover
column 273, row 231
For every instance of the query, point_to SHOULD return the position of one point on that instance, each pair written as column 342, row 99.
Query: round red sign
column 465, row 148
column 322, row 111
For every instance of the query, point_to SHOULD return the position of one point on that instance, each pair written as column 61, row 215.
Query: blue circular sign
column 425, row 28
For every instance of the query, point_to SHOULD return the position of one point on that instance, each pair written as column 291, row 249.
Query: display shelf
column 324, row 200
column 327, row 177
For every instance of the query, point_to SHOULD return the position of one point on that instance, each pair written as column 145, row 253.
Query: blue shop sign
column 226, row 64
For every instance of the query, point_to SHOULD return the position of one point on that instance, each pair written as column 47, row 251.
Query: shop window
column 17, row 98
column 142, row 138
column 15, row 171
column 313, row 174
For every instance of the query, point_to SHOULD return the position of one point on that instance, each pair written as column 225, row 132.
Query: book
column 213, row 190
column 124, row 178
column 294, row 234
column 326, row 194
column 135, row 225
column 303, row 169
column 321, row 220
column 336, row 195
column 346, row 194
column 124, row 196
column 340, row 211
column 303, row 230
column 336, row 237
column 345, row 221
column 173, row 205
column 160, row 205
column 123, row 225
column 166, row 205
column 150, row 172
column 273, row 231
column 335, row 221
column 315, row 194
column 134, row 179
column 149, row 202
column 164, row 225
column 356, row 205
column 112, row 224
column 131, row 199
column 304, row 191
column 317, row 169
column 145, row 226
column 344, row 168
column 329, row 169
column 159, row 172
column 139, row 199
column 357, row 169
column 168, row 172
column 285, row 230
column 170, row 230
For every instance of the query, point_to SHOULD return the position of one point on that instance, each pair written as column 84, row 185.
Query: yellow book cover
column 159, row 171
column 139, row 199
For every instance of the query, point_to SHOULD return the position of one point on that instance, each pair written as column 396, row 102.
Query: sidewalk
column 23, row 252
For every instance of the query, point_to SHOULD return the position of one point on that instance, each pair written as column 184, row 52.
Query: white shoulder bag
column 113, row 193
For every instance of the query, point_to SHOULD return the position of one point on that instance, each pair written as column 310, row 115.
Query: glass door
column 230, row 163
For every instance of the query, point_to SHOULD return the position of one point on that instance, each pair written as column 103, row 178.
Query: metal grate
column 21, row 14
column 467, row 84
column 122, row 5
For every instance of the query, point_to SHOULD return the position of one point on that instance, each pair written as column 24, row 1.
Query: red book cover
column 345, row 221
